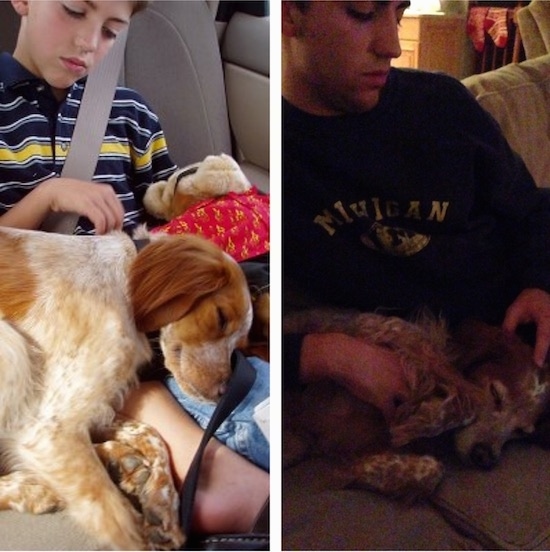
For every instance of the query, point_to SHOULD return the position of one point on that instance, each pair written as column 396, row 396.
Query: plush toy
column 213, row 198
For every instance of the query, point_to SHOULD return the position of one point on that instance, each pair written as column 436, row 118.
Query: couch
column 534, row 27
column 518, row 96
column 507, row 508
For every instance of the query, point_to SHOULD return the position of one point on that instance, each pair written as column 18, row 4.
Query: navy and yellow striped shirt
column 35, row 137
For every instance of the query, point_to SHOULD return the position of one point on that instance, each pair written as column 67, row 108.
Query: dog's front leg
column 137, row 460
column 23, row 492
column 68, row 464
column 408, row 476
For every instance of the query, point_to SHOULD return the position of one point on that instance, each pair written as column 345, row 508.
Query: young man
column 59, row 43
column 400, row 192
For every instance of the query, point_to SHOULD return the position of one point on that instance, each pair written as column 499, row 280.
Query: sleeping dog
column 73, row 316
column 478, row 382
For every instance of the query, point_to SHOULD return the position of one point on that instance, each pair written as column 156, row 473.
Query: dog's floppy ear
column 170, row 275
column 476, row 343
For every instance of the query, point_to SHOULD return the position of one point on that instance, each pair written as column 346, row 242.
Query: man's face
column 62, row 40
column 339, row 54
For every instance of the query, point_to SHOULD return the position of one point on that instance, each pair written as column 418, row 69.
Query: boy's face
column 60, row 41
column 337, row 54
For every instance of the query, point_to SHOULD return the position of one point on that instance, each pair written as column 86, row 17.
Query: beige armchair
column 534, row 27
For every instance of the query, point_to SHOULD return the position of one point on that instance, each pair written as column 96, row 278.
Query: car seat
column 205, row 104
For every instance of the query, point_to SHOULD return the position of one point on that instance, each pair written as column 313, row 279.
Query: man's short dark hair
column 302, row 5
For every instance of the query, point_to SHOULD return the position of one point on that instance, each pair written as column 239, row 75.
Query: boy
column 41, row 93
column 59, row 43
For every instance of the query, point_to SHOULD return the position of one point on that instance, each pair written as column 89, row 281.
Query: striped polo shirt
column 35, row 137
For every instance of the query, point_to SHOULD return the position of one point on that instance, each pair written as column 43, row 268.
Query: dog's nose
column 482, row 456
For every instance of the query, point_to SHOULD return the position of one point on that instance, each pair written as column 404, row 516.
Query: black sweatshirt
column 418, row 202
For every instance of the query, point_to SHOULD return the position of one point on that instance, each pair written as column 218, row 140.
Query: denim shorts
column 239, row 431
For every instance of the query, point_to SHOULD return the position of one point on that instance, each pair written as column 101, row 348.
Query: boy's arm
column 98, row 202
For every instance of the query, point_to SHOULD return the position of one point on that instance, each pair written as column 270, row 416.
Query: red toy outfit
column 238, row 223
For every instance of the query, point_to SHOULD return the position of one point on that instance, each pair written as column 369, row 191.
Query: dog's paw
column 22, row 492
column 160, row 504
column 397, row 475
column 150, row 490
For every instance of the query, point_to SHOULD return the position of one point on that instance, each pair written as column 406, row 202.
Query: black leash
column 239, row 385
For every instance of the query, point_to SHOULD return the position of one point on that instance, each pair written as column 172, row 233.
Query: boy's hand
column 98, row 202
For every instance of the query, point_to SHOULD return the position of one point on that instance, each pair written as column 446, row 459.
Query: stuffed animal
column 213, row 198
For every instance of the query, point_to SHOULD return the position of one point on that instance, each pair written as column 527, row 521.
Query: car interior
column 203, row 66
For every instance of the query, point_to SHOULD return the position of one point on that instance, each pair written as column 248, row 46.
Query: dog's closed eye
column 222, row 320
column 176, row 350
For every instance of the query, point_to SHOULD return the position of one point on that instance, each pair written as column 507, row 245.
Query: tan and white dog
column 73, row 316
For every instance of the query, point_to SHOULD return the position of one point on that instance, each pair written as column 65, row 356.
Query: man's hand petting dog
column 373, row 374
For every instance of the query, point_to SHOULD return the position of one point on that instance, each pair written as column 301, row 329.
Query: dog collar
column 141, row 243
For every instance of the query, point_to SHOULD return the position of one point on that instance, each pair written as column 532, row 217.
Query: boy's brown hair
column 139, row 5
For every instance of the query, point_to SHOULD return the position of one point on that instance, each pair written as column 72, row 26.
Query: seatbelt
column 241, row 381
column 89, row 130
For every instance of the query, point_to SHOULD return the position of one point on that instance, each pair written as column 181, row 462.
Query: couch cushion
column 507, row 508
column 320, row 514
column 534, row 27
column 518, row 97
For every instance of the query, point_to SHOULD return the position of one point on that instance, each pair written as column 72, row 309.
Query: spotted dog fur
column 137, row 460
column 74, row 314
